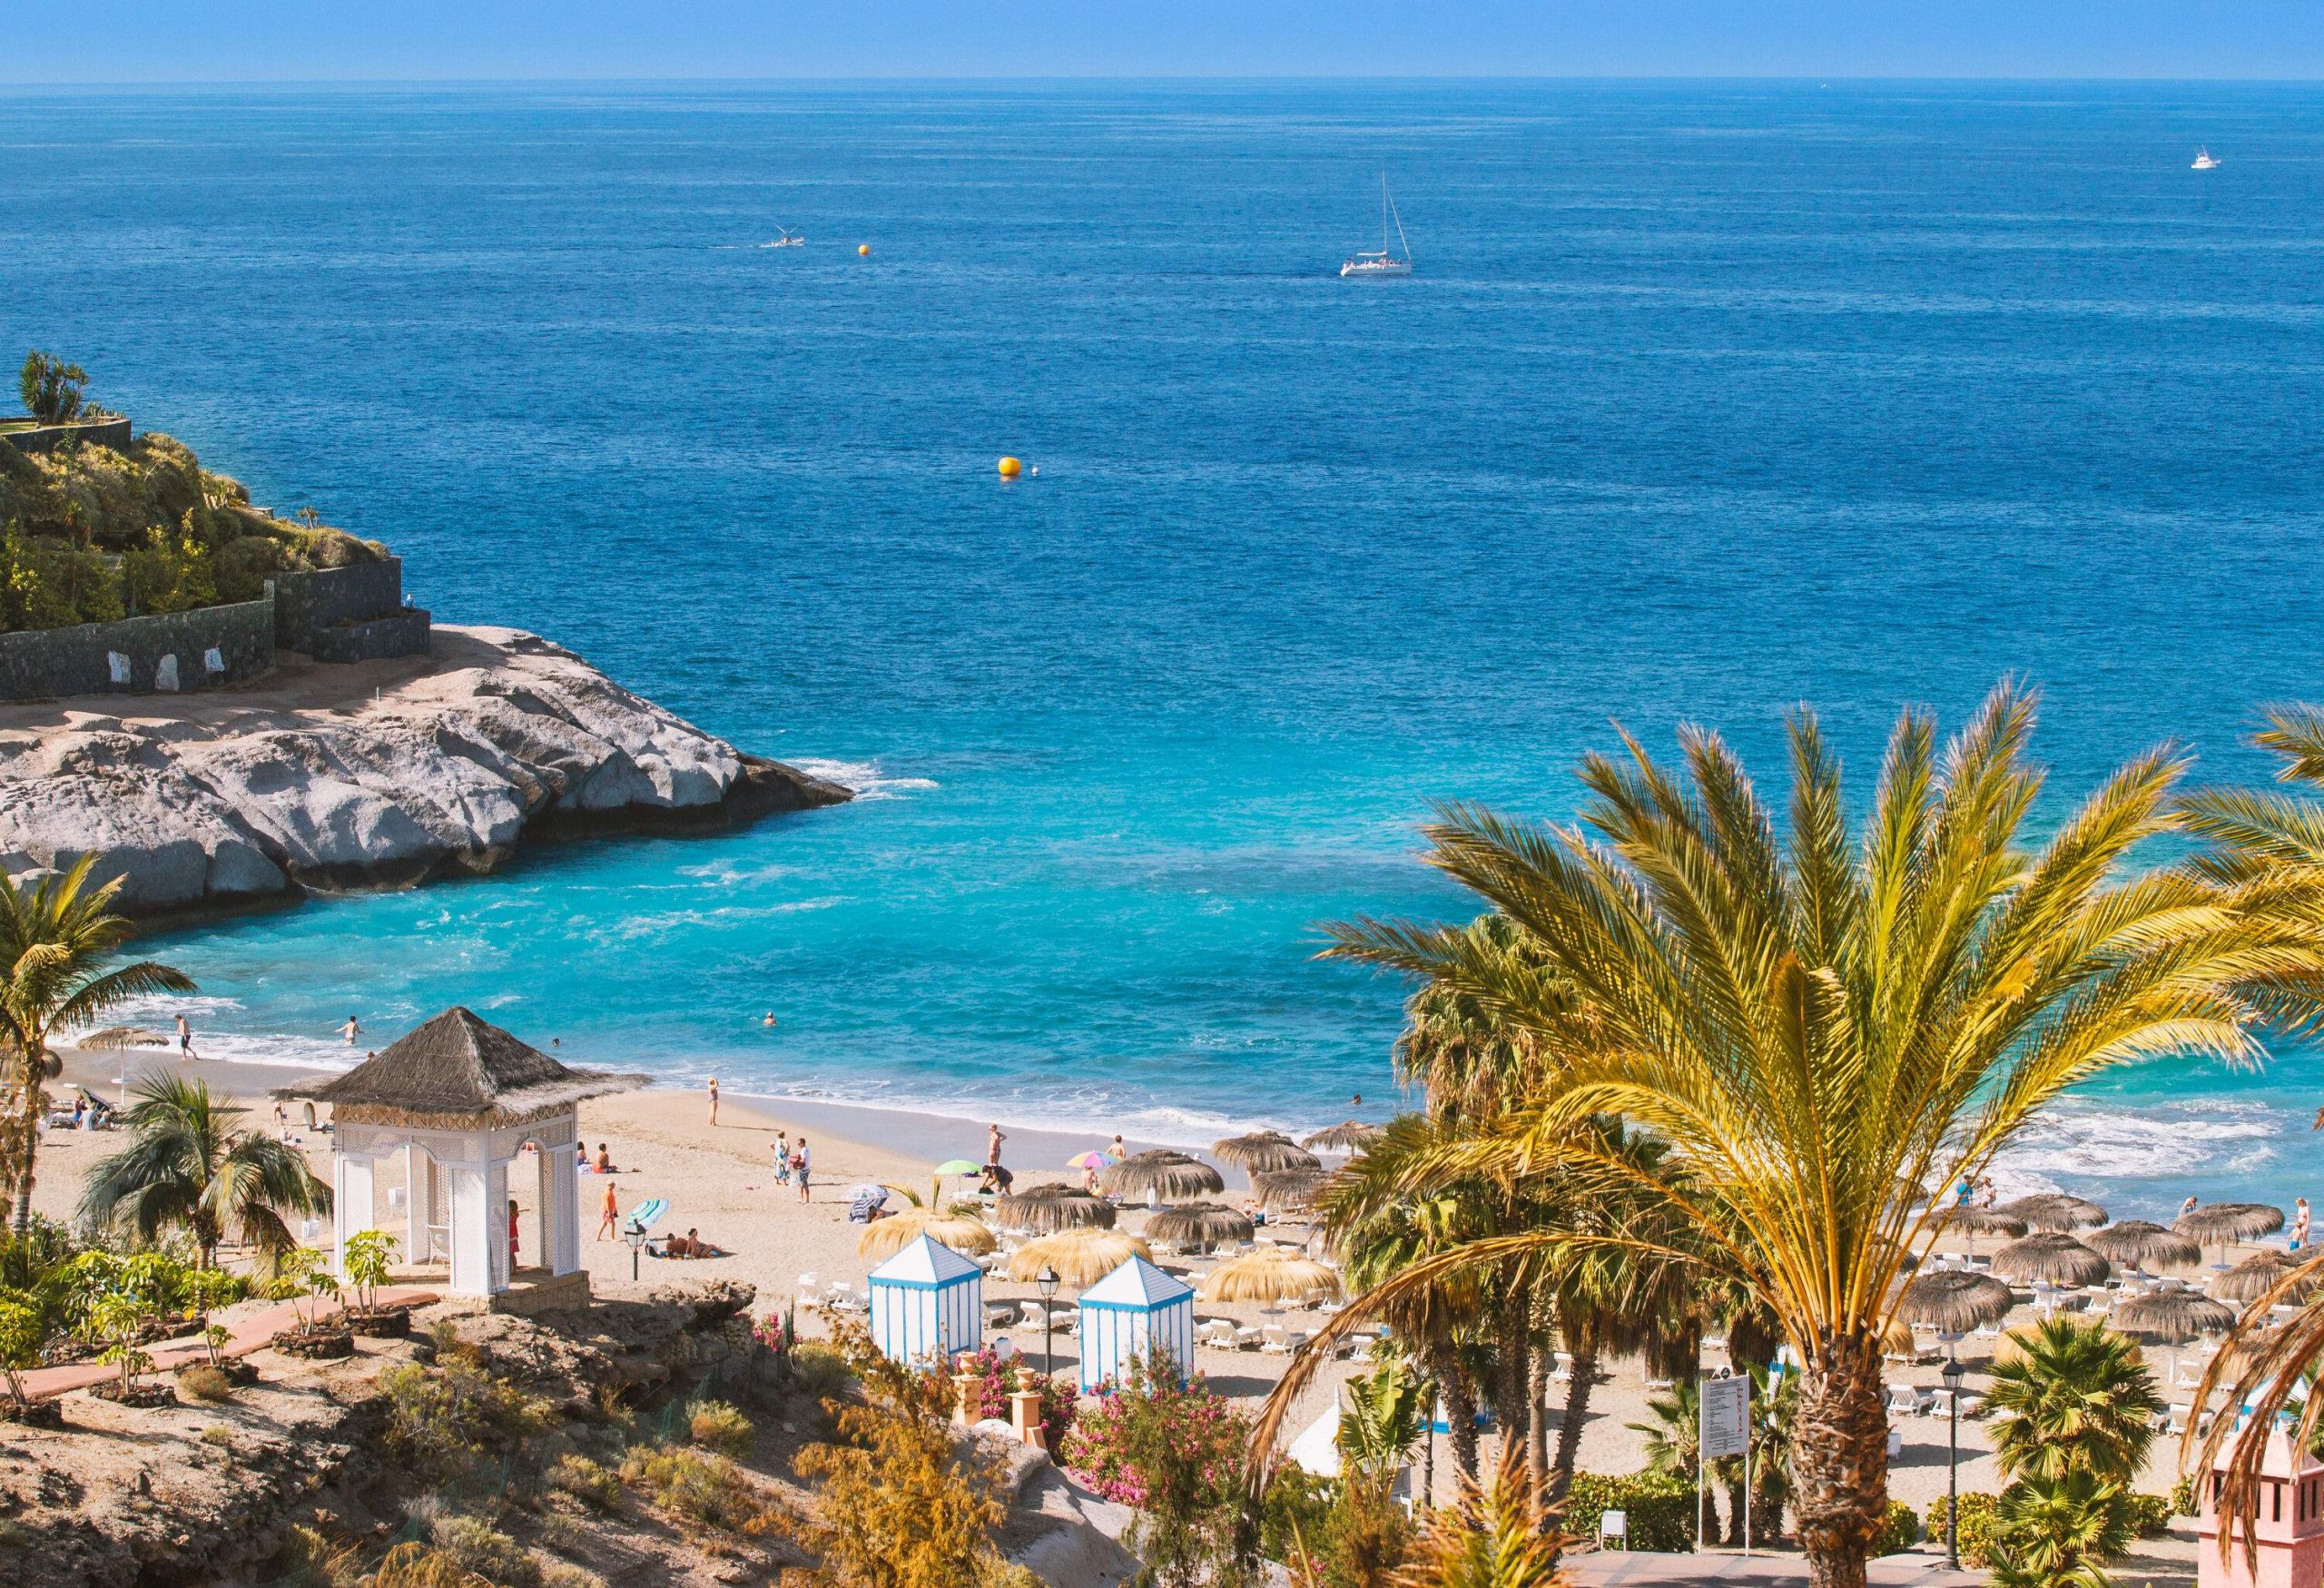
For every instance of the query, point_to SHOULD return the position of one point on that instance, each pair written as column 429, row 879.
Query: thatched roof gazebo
column 1289, row 1190
column 2055, row 1211
column 1052, row 1206
column 1956, row 1302
column 1199, row 1224
column 463, row 1100
column 1263, row 1151
column 2138, row 1244
column 1347, row 1136
column 1160, row 1176
column 2046, row 1257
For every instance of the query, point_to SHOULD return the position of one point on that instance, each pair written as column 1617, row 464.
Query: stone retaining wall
column 351, row 614
column 140, row 654
column 112, row 433
column 403, row 633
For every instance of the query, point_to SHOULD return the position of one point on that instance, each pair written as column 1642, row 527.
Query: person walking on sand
column 351, row 1030
column 713, row 1099
column 185, row 1042
column 609, row 1225
column 782, row 1158
column 799, row 1167
column 992, row 1146
column 2300, row 1224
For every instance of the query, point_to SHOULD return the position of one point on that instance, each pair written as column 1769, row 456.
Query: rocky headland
column 328, row 778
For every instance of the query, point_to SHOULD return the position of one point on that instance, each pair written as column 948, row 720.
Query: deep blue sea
column 1703, row 399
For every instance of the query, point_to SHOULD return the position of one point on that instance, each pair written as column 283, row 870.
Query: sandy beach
column 718, row 1181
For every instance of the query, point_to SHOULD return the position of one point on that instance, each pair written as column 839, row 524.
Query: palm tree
column 188, row 1167
column 53, row 937
column 2059, row 1531
column 1809, row 1020
column 2075, row 1396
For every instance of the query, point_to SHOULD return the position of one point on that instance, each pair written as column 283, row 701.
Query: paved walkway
column 253, row 1333
column 1638, row 1569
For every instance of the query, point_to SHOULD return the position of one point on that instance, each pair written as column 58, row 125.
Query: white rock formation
column 368, row 775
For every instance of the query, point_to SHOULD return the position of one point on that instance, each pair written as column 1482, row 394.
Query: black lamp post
column 635, row 1235
column 1047, row 1282
column 1953, row 1374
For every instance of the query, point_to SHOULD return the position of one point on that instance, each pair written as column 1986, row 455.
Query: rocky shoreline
column 321, row 779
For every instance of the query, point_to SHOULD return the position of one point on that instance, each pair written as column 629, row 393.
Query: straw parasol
column 1263, row 1151
column 1049, row 1206
column 884, row 1237
column 1287, row 1190
column 2171, row 1318
column 117, row 1036
column 1955, row 1301
column 2054, row 1210
column 2139, row 1243
column 1974, row 1222
column 1161, row 1174
column 1202, row 1224
column 2048, row 1255
column 1081, row 1256
column 2222, row 1224
column 1347, row 1136
column 1272, row 1273
column 1896, row 1338
column 2257, row 1275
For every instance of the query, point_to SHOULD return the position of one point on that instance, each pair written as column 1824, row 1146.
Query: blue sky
column 111, row 41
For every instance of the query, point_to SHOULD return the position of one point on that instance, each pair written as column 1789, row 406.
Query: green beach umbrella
column 958, row 1166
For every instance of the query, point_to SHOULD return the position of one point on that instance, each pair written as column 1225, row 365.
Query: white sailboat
column 1385, row 263
column 2204, row 161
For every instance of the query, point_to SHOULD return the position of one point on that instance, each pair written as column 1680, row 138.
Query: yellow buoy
column 863, row 250
column 1010, row 469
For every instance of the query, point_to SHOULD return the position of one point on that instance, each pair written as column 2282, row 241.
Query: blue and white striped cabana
column 1134, row 1311
column 928, row 1300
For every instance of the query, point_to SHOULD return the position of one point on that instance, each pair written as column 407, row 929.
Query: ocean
column 1704, row 398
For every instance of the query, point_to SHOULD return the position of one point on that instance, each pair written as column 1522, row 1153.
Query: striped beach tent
column 928, row 1300
column 1132, row 1312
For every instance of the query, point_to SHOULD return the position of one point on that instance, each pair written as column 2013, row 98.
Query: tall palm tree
column 188, row 1167
column 54, row 937
column 1809, row 1020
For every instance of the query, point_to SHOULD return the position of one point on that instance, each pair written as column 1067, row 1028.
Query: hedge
column 1660, row 1508
column 1978, row 1517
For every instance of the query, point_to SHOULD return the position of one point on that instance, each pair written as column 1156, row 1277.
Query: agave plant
column 1489, row 1540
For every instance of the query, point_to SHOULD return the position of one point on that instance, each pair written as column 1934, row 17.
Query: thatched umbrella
column 1974, row 1222
column 2139, row 1243
column 2171, row 1317
column 2054, row 1210
column 1263, row 1151
column 2048, row 1255
column 1956, row 1302
column 2257, row 1275
column 1081, row 1256
column 1272, row 1273
column 1287, row 1190
column 1347, row 1136
column 2222, row 1224
column 1161, row 1175
column 884, row 1237
column 1896, row 1338
column 1049, row 1206
column 1198, row 1224
column 116, row 1037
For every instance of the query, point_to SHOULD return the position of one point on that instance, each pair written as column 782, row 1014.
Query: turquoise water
column 1705, row 399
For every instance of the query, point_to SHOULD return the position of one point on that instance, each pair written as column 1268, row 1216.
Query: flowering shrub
column 1175, row 1451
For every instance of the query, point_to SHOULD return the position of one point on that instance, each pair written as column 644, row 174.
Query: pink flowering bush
column 1154, row 1429
column 997, row 1378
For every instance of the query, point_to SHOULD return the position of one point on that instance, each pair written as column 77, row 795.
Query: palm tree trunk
column 1577, row 1408
column 1536, row 1431
column 1461, row 1418
column 1512, row 1373
column 1839, row 1458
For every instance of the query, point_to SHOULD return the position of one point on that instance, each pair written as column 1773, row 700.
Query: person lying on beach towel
column 692, row 1245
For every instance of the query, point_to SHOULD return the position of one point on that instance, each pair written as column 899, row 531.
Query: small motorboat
column 2204, row 161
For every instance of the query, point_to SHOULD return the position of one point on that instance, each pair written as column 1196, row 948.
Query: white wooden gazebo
column 465, row 1102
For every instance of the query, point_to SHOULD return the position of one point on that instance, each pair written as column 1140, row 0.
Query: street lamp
column 1047, row 1282
column 635, row 1235
column 1953, row 1374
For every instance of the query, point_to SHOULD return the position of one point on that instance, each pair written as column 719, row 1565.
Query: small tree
column 206, row 1290
column 51, row 387
column 24, row 1330
column 302, row 1276
column 369, row 1255
column 117, row 1322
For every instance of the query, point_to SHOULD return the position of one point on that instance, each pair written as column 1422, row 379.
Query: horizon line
column 1185, row 79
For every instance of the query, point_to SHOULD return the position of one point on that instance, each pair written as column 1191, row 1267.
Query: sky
column 240, row 41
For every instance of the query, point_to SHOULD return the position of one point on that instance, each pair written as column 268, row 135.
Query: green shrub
column 206, row 1383
column 819, row 1370
column 704, row 1488
column 1900, row 1531
column 716, row 1426
column 443, row 1416
column 2182, row 1496
column 219, row 1434
column 1979, row 1517
column 476, row 1547
column 2148, row 1514
column 169, row 573
column 1294, row 1514
column 1660, row 1508
column 593, row 1485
